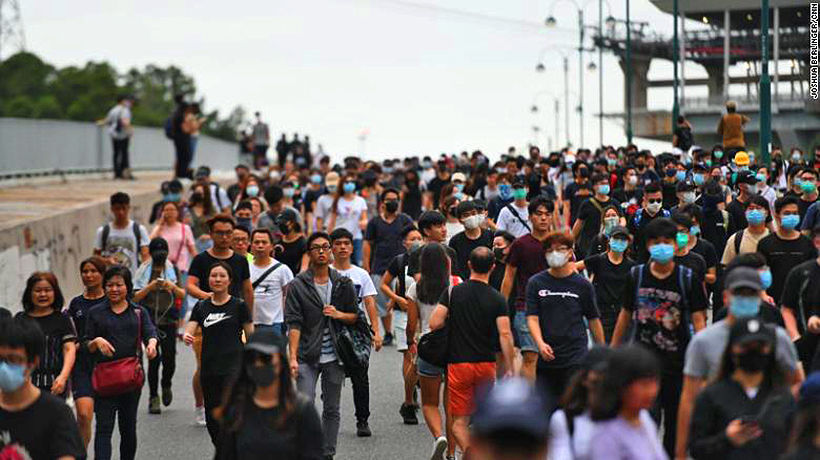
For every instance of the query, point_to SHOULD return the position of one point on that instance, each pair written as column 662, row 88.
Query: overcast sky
column 420, row 80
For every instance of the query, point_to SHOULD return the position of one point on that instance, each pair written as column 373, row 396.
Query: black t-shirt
column 221, row 334
column 385, row 241
column 414, row 265
column 737, row 209
column 803, row 284
column 202, row 263
column 716, row 229
column 591, row 215
column 636, row 227
column 669, row 191
column 803, row 207
column 706, row 250
column 575, row 199
column 397, row 269
column 783, row 255
column 473, row 307
column 463, row 246
column 292, row 254
column 77, row 311
column 561, row 305
column 58, row 330
column 696, row 263
column 411, row 200
column 45, row 430
column 609, row 281
column 662, row 317
column 258, row 437
column 311, row 196
column 684, row 135
column 628, row 197
column 435, row 185
column 121, row 330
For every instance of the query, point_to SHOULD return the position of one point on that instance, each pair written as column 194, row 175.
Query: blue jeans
column 522, row 330
column 124, row 408
column 333, row 376
column 277, row 328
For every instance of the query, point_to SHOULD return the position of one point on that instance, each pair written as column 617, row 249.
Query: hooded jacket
column 303, row 311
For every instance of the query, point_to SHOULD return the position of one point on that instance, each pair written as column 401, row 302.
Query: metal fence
column 35, row 147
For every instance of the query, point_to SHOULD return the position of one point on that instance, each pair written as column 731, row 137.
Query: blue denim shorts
column 522, row 331
column 426, row 369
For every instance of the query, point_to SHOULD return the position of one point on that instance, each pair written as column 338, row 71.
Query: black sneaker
column 388, row 340
column 408, row 414
column 363, row 430
column 167, row 396
column 153, row 405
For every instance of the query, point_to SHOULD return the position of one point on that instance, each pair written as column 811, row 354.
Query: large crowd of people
column 626, row 305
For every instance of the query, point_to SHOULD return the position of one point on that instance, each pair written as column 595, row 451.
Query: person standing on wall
column 118, row 123
column 261, row 142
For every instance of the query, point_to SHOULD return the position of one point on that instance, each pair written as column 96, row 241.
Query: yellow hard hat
column 742, row 158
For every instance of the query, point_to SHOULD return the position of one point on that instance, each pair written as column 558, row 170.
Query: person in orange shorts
column 476, row 315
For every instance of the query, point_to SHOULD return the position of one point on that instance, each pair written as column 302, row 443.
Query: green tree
column 20, row 107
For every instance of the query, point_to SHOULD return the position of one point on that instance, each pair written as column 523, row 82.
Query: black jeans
column 667, row 401
column 124, row 408
column 361, row 394
column 182, row 145
column 166, row 355
column 552, row 381
column 213, row 389
column 121, row 162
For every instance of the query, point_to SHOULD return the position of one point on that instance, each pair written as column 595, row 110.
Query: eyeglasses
column 324, row 247
column 655, row 200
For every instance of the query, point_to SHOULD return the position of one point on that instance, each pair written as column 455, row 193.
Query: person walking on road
column 118, row 124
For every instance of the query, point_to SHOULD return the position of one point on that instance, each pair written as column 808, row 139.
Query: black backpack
column 107, row 230
column 169, row 127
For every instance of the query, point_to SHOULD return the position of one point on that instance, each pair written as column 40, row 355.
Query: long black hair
column 626, row 365
column 773, row 375
column 435, row 273
column 238, row 396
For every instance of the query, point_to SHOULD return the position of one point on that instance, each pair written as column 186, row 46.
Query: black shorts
column 81, row 385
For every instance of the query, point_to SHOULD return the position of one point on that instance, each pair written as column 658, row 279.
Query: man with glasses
column 316, row 298
column 652, row 209
column 221, row 228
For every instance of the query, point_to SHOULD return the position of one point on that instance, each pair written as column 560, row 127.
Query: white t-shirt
column 425, row 309
column 361, row 282
column 507, row 221
column 219, row 197
column 453, row 229
column 322, row 209
column 268, row 296
column 118, row 112
column 348, row 214
column 122, row 244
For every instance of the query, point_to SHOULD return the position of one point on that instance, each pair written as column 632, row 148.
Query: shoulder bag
column 114, row 378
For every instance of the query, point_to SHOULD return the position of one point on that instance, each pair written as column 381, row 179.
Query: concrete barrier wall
column 38, row 145
column 57, row 244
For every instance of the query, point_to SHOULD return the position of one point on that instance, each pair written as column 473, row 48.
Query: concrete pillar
column 640, row 82
column 682, row 55
column 776, row 57
column 715, row 84
column 726, row 44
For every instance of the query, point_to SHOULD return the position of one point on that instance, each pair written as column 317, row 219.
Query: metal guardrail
column 32, row 148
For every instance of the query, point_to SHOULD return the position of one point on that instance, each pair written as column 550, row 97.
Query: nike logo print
column 214, row 318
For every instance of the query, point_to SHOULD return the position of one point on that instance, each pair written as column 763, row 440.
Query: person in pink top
column 179, row 236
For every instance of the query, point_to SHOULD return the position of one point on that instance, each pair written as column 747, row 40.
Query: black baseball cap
column 620, row 230
column 746, row 177
column 751, row 330
column 202, row 171
column 511, row 405
column 266, row 341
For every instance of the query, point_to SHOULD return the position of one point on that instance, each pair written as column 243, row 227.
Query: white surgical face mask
column 557, row 259
column 473, row 221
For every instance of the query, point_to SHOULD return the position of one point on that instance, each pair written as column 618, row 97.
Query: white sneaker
column 439, row 448
column 200, row 415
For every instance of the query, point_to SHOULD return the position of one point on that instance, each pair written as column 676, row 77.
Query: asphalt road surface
column 173, row 434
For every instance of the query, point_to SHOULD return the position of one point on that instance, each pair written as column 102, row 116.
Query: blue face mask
column 682, row 239
column 766, row 278
column 761, row 177
column 662, row 252
column 611, row 161
column 680, row 176
column 505, row 191
column 173, row 197
column 618, row 245
column 12, row 376
column 252, row 190
column 316, row 179
column 694, row 230
column 698, row 178
column 349, row 187
column 603, row 189
column 459, row 187
column 790, row 221
column 744, row 307
column 387, row 169
column 755, row 216
column 288, row 192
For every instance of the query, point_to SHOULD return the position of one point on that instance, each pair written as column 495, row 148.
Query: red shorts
column 462, row 381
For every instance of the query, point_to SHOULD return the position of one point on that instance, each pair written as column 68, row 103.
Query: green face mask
column 520, row 193
column 682, row 239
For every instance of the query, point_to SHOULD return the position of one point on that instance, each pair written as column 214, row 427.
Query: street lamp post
column 675, row 106
column 765, row 92
column 540, row 67
column 600, row 74
column 628, row 76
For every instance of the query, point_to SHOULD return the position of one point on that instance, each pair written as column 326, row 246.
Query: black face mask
column 262, row 376
column 583, row 172
column 499, row 254
column 158, row 257
column 752, row 361
column 391, row 206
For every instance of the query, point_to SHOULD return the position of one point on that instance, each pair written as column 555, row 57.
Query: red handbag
column 114, row 378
